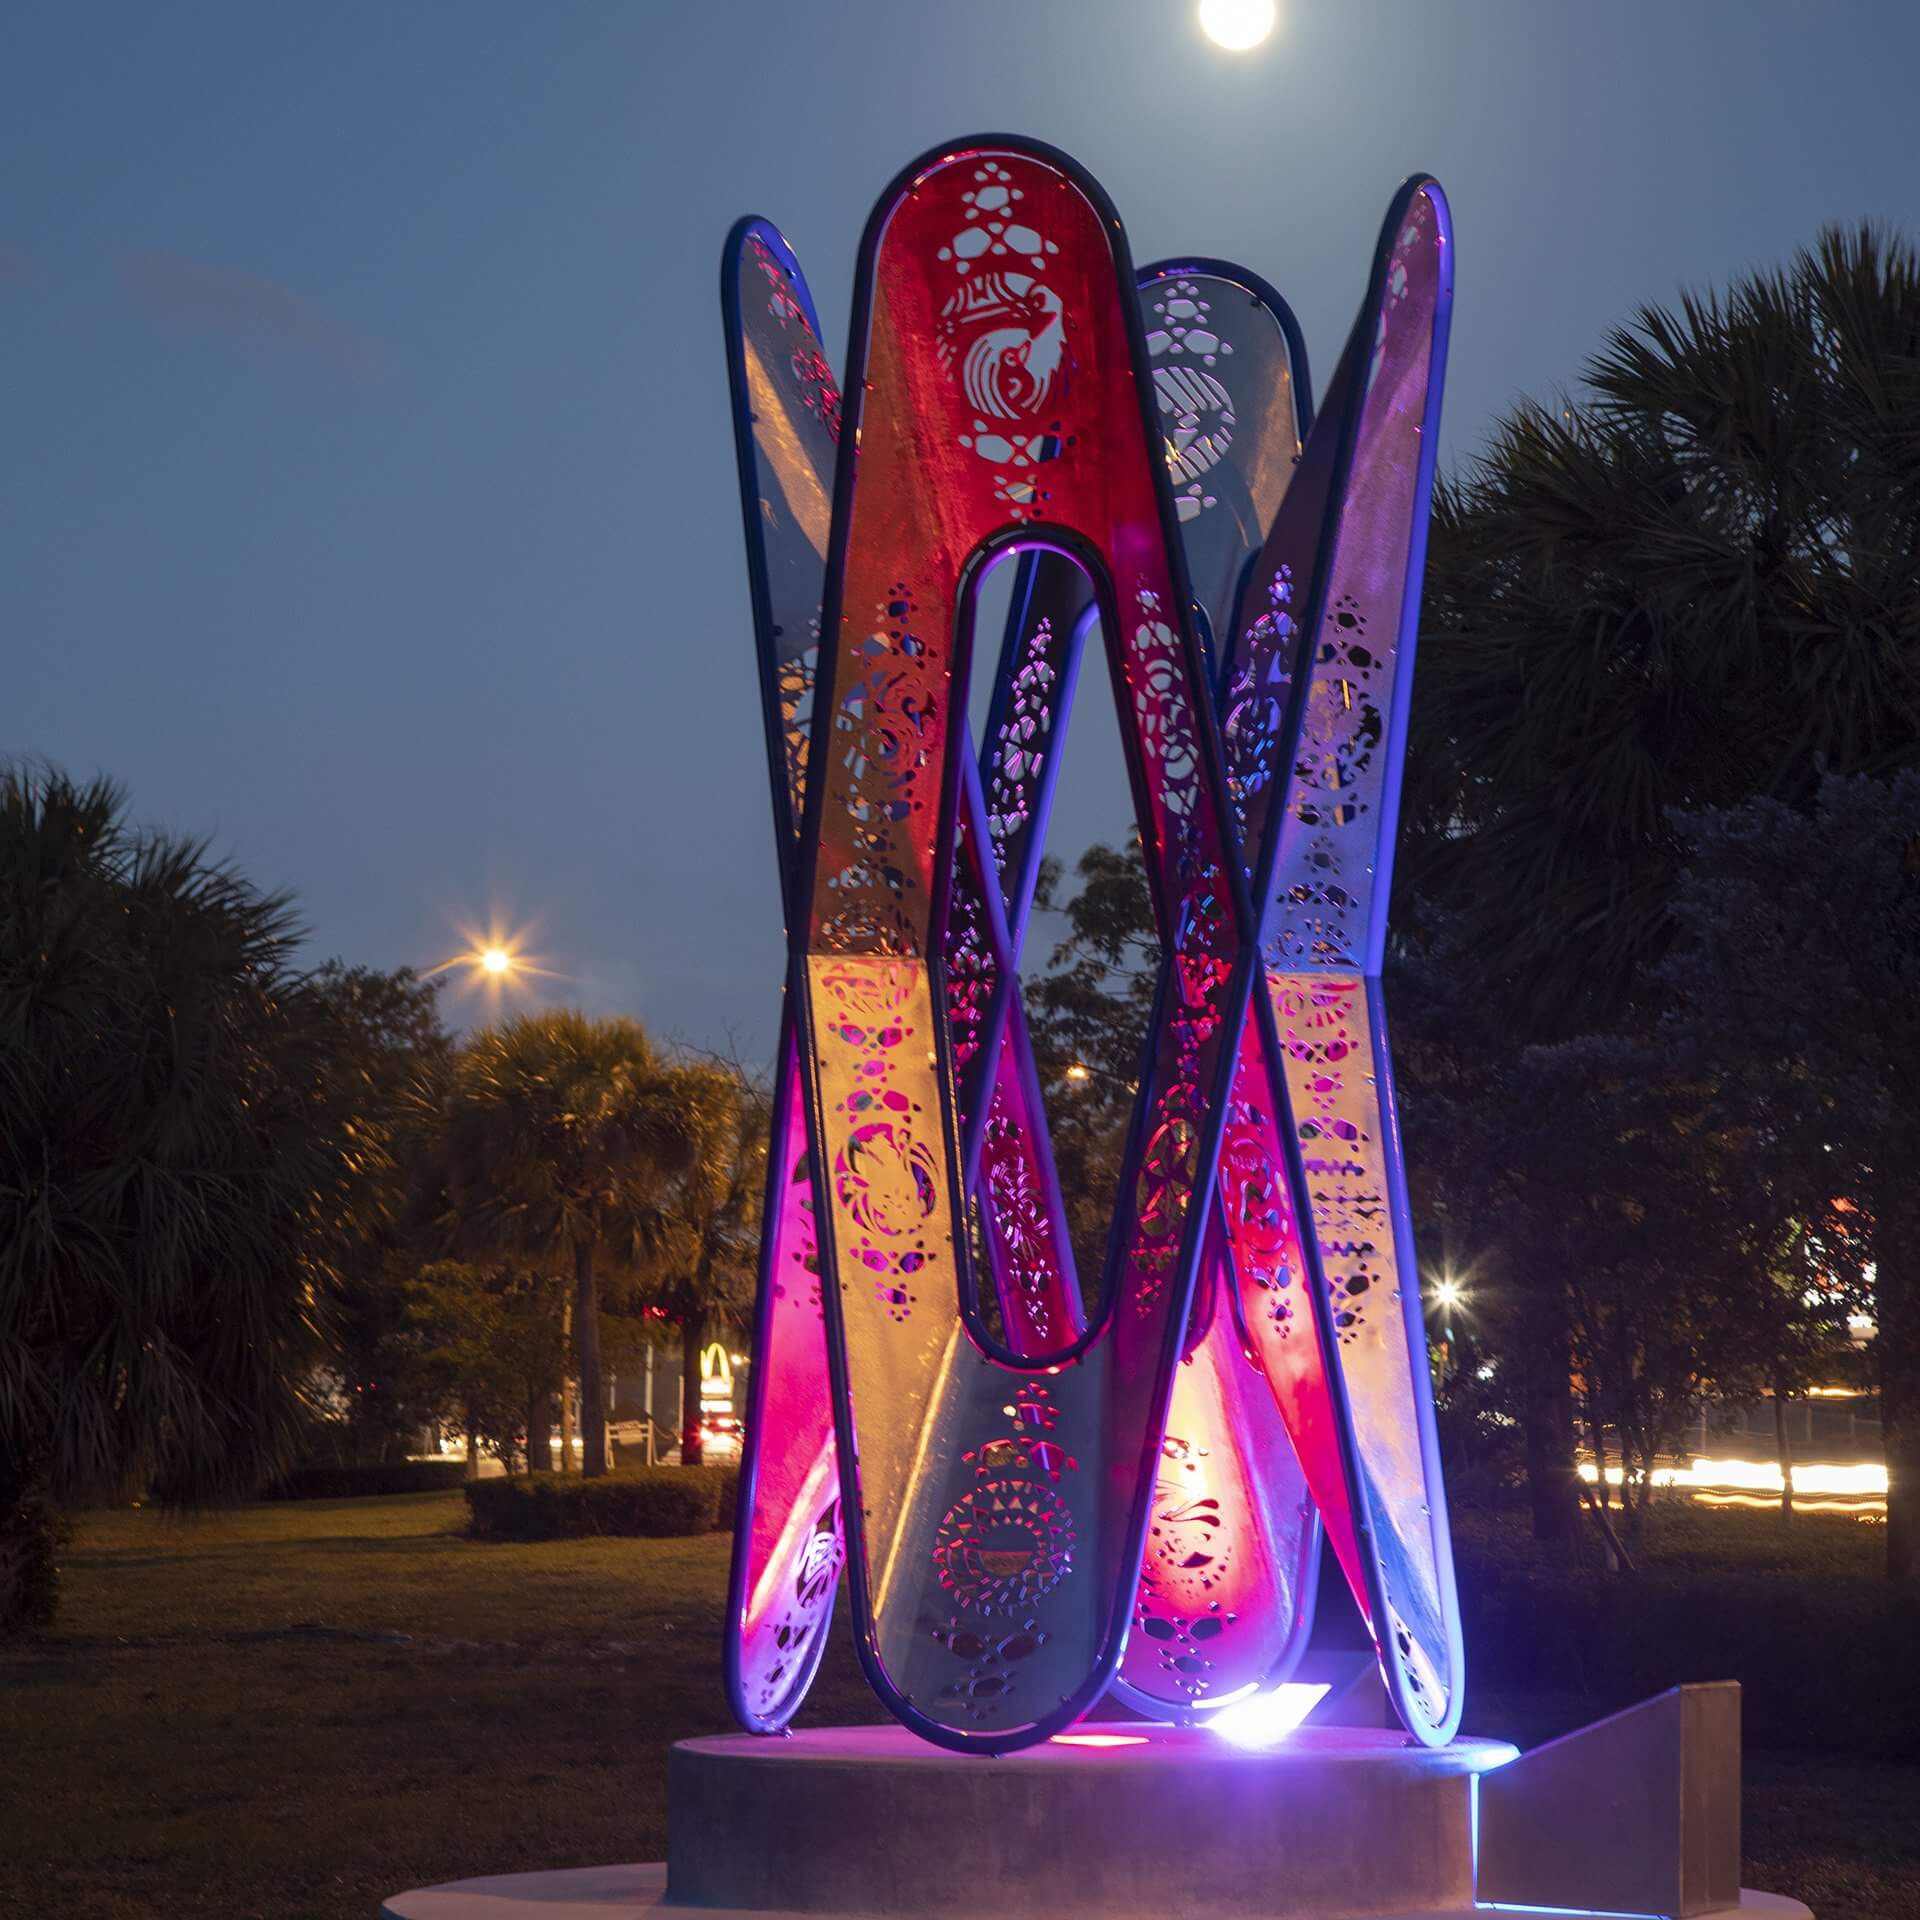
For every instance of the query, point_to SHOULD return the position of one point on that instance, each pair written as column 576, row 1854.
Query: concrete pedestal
column 872, row 1820
column 639, row 1893
column 1337, row 1823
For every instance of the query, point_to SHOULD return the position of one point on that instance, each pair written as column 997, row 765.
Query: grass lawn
column 1684, row 1538
column 293, row 1710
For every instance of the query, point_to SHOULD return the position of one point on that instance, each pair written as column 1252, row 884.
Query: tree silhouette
column 564, row 1135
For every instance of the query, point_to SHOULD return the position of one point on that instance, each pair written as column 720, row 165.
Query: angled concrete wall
column 1638, row 1813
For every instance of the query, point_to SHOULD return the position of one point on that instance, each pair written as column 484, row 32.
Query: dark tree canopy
column 1795, row 982
column 1088, row 1014
column 1689, row 592
column 1697, row 582
column 564, row 1137
column 185, row 1154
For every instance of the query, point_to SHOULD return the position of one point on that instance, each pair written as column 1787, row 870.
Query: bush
column 728, row 1480
column 353, row 1483
column 643, row 1502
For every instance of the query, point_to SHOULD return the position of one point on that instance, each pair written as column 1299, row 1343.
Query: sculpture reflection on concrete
column 1041, row 1483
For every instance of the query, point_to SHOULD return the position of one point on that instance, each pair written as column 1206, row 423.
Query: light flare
column 495, row 958
column 1267, row 1718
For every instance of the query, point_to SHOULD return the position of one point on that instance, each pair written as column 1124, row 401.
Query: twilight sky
column 366, row 492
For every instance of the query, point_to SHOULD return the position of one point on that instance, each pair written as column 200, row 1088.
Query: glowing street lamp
column 495, row 959
column 1448, row 1297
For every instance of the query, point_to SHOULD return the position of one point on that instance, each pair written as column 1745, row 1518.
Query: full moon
column 1236, row 24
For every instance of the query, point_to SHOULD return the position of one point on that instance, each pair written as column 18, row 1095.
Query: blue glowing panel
column 1318, row 684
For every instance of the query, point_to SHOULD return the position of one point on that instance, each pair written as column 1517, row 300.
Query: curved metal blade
column 1319, row 682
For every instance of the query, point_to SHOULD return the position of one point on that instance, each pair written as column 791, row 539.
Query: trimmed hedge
column 353, row 1483
column 644, row 1502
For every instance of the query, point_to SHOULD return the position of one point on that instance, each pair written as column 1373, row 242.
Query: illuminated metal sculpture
column 1041, row 1490
column 1042, row 1486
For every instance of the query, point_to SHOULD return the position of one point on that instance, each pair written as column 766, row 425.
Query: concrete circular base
column 640, row 1893
column 1120, row 1822
column 579, row 1893
column 873, row 1820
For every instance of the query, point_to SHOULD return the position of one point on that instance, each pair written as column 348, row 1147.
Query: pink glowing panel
column 1022, row 1223
column 1272, row 1304
column 790, row 1537
column 1007, row 1163
column 1226, row 1579
column 788, row 1546
column 1000, row 1510
column 787, row 1543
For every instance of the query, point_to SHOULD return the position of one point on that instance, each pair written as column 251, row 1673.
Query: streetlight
column 1448, row 1295
column 494, row 961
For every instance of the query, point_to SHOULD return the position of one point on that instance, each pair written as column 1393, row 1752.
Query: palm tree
column 704, row 1260
column 563, row 1134
column 1696, row 584
column 181, row 1159
column 1692, row 584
